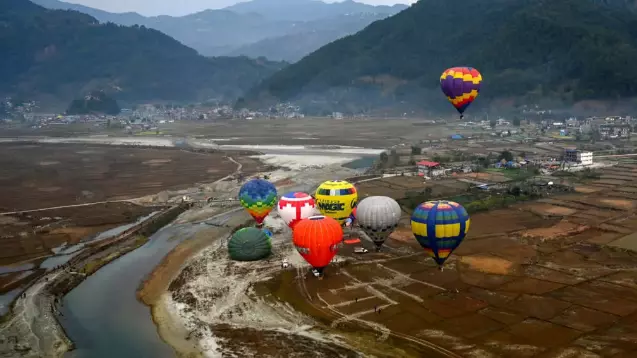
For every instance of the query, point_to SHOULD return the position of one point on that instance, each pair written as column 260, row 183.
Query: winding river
column 102, row 315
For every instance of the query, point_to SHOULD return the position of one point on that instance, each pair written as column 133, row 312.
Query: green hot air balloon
column 249, row 244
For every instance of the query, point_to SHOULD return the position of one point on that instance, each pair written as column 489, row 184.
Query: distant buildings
column 425, row 168
column 578, row 156
column 614, row 131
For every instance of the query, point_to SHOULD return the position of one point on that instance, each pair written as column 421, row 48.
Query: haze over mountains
column 527, row 50
column 277, row 29
column 55, row 56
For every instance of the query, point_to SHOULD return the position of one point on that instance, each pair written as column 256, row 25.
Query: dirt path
column 68, row 206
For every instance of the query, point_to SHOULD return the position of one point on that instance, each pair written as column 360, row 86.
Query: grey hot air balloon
column 378, row 216
column 249, row 244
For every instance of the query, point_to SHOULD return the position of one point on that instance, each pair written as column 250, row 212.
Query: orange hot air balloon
column 318, row 239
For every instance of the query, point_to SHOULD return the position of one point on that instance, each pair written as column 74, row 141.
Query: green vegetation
column 567, row 50
column 580, row 176
column 96, row 102
column 59, row 55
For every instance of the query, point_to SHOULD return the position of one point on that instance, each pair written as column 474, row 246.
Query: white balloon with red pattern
column 296, row 206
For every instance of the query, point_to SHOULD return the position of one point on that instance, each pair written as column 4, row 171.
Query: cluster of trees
column 97, row 102
column 63, row 53
column 567, row 49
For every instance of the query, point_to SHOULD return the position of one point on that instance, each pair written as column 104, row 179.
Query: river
column 102, row 315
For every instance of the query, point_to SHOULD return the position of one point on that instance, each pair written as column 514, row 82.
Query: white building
column 578, row 156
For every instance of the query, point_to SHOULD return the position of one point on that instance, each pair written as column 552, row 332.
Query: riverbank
column 32, row 330
column 160, row 289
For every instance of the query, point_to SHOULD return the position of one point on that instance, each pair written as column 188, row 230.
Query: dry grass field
column 40, row 176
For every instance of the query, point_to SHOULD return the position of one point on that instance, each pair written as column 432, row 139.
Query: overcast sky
column 182, row 7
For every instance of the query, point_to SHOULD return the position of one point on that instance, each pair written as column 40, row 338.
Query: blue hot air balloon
column 440, row 226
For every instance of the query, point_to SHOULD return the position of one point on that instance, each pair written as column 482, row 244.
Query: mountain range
column 56, row 55
column 526, row 50
column 276, row 29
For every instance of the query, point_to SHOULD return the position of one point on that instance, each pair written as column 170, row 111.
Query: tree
column 384, row 158
column 96, row 102
column 516, row 121
column 493, row 123
column 506, row 155
column 415, row 150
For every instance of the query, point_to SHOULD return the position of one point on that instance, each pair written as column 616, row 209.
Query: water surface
column 102, row 315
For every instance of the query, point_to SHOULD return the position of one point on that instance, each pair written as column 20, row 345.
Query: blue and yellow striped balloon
column 440, row 226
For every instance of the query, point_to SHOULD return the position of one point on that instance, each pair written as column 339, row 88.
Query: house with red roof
column 425, row 167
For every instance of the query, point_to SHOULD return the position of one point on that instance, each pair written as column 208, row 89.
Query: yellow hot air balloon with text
column 336, row 199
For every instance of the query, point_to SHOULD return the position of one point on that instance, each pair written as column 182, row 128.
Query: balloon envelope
column 378, row 216
column 353, row 214
column 318, row 239
column 295, row 206
column 336, row 199
column 258, row 197
column 461, row 85
column 439, row 227
column 249, row 244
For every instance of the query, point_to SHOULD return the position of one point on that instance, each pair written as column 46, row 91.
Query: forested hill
column 529, row 49
column 59, row 55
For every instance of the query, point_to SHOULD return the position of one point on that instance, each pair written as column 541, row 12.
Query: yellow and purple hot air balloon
column 258, row 197
column 461, row 85
column 440, row 226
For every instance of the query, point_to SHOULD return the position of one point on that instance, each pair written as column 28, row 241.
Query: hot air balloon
column 461, row 85
column 258, row 196
column 295, row 206
column 336, row 199
column 318, row 239
column 440, row 226
column 378, row 216
column 249, row 244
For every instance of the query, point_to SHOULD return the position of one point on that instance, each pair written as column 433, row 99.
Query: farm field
column 29, row 240
column 60, row 176
column 549, row 278
column 40, row 176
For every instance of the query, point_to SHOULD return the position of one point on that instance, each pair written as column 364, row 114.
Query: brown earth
column 30, row 235
column 27, row 239
column 506, row 291
column 40, row 176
